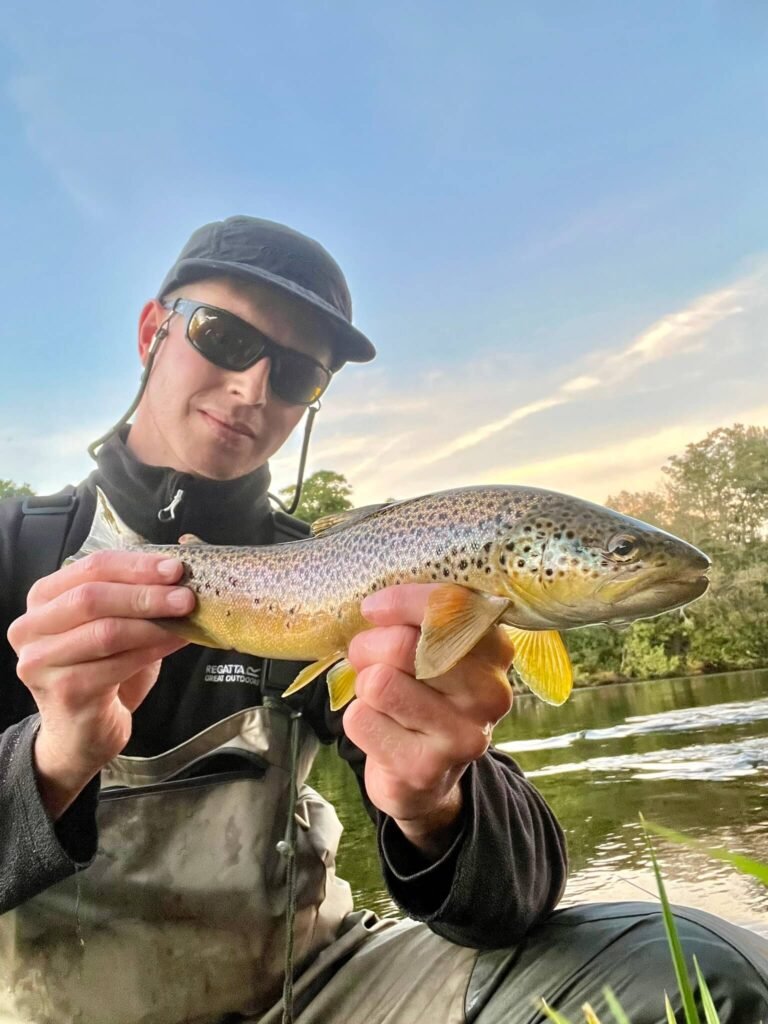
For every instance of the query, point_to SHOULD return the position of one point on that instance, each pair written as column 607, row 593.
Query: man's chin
column 209, row 463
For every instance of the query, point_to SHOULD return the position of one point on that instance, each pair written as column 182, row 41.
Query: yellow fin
column 455, row 620
column 542, row 662
column 341, row 684
column 190, row 538
column 305, row 677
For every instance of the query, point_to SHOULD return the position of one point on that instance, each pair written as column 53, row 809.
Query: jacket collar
column 219, row 512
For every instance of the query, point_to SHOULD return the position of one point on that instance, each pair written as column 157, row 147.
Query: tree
column 650, row 506
column 323, row 493
column 719, row 486
column 8, row 489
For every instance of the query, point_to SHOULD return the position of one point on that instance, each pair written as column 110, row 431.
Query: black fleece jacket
column 509, row 834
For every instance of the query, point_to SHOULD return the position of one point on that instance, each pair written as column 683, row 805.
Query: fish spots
column 520, row 563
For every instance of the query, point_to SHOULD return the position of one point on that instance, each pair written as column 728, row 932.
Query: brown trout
column 533, row 561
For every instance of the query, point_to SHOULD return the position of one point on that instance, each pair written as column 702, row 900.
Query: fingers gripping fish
column 531, row 560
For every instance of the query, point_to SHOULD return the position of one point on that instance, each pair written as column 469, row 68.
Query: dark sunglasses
column 231, row 343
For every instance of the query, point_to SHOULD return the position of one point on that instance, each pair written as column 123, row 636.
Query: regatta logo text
column 232, row 672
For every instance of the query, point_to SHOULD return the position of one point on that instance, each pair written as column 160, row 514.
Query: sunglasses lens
column 224, row 340
column 296, row 379
column 218, row 338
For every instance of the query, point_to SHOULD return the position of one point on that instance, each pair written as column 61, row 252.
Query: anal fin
column 311, row 672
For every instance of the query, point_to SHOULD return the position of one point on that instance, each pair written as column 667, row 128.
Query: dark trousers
column 580, row 950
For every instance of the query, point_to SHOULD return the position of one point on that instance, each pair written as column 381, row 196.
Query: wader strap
column 44, row 526
column 287, row 848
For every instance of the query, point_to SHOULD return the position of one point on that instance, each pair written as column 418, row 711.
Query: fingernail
column 179, row 598
column 169, row 567
column 370, row 604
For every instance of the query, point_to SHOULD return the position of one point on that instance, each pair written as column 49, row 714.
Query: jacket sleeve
column 34, row 852
column 508, row 835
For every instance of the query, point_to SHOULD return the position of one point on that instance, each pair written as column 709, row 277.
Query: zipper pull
column 165, row 515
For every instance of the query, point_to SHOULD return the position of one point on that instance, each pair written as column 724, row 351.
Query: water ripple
column 680, row 720
column 707, row 762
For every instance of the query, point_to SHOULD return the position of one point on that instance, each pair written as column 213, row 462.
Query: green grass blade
column 710, row 1013
column 553, row 1015
column 668, row 1008
column 615, row 1007
column 678, row 958
column 745, row 865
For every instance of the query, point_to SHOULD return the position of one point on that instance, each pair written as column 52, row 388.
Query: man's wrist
column 58, row 783
column 434, row 833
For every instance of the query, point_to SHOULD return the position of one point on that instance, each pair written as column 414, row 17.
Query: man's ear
column 152, row 327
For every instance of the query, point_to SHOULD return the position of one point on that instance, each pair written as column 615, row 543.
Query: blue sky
column 552, row 217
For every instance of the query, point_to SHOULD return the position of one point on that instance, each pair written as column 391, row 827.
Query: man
column 149, row 870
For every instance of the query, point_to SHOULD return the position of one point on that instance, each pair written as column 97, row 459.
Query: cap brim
column 350, row 344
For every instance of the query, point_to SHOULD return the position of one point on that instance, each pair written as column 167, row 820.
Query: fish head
column 580, row 564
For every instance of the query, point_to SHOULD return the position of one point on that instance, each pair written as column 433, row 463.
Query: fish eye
column 622, row 547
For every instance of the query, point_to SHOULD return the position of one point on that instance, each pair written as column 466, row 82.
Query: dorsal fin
column 350, row 516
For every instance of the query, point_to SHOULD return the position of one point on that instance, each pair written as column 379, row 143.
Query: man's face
column 215, row 423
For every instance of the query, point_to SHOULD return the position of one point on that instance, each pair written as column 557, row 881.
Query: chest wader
column 182, row 915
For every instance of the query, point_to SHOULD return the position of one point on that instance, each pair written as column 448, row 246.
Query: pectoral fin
column 455, row 620
column 542, row 662
column 191, row 538
column 305, row 677
column 193, row 632
column 341, row 684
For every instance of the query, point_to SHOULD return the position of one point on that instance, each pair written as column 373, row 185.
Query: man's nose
column 252, row 385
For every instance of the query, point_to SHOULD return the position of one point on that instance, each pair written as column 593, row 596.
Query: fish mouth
column 642, row 596
column 662, row 595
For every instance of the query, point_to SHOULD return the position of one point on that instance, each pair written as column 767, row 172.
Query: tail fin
column 108, row 531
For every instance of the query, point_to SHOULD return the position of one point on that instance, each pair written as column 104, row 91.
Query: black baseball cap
column 261, row 250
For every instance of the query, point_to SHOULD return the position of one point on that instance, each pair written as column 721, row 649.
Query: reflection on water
column 687, row 753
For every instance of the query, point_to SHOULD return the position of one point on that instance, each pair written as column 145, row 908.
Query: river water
column 689, row 753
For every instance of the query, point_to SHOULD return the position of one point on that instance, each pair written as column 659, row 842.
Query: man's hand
column 89, row 656
column 420, row 736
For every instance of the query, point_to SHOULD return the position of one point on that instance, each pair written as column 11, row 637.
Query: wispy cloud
column 714, row 344
column 53, row 134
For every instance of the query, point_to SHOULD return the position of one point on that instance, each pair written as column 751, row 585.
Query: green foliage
column 8, row 489
column 715, row 494
column 323, row 493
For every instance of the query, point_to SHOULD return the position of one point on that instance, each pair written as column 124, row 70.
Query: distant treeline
column 714, row 495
